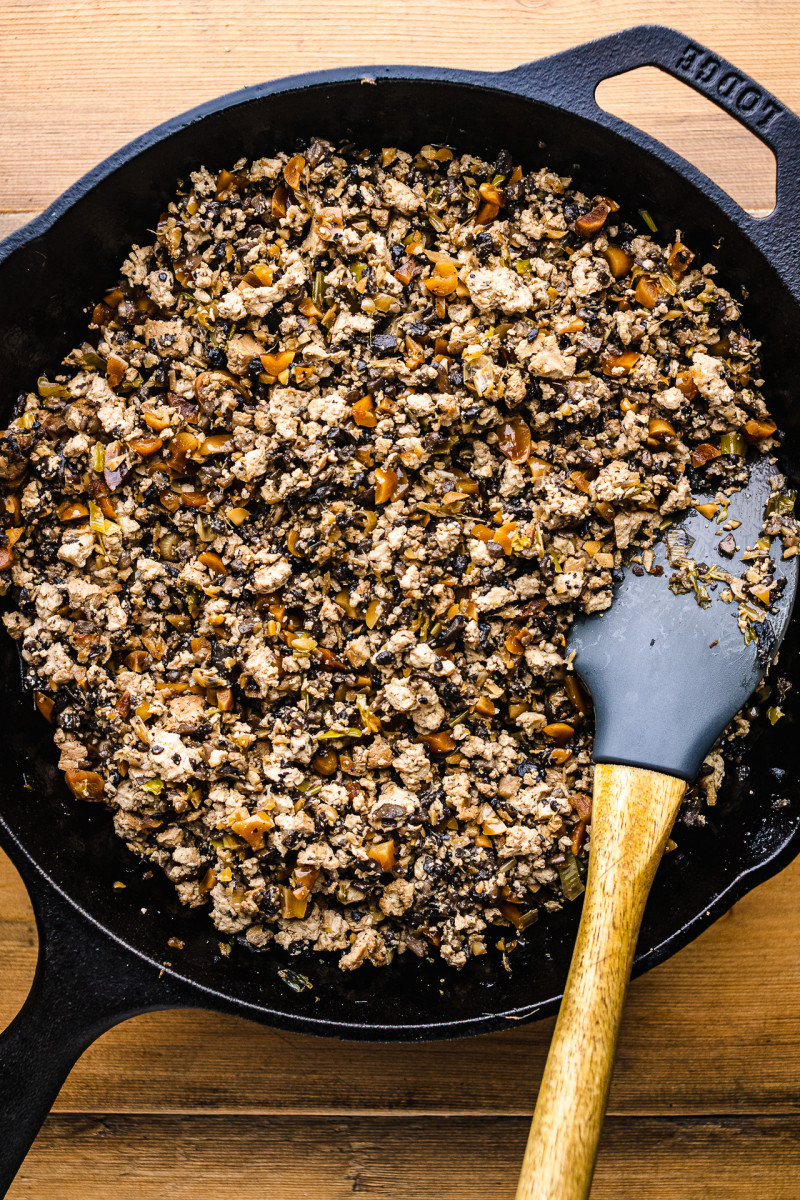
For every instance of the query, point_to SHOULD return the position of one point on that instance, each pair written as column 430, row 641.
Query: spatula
column 666, row 676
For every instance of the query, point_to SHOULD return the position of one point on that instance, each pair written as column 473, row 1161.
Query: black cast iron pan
column 101, row 957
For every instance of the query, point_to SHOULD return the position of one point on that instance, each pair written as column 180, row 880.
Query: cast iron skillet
column 101, row 957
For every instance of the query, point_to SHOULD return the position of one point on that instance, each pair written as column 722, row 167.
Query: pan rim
column 366, row 76
column 32, row 872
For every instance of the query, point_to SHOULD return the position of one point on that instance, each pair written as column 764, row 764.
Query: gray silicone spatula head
column 667, row 675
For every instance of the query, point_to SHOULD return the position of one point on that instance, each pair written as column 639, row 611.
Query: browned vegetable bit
column 593, row 221
column 619, row 261
column 86, row 785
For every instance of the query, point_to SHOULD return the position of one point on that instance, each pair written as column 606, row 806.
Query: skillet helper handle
column 573, row 76
column 583, row 68
column 37, row 1052
column 84, row 984
column 632, row 814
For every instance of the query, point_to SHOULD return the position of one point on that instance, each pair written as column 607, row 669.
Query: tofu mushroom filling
column 292, row 541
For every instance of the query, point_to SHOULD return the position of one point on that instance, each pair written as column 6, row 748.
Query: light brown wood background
column 706, row 1099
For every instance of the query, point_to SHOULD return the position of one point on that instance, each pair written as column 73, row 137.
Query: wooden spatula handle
column 632, row 815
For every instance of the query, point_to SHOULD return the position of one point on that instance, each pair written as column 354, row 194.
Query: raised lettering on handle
column 735, row 92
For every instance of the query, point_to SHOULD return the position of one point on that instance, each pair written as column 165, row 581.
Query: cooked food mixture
column 297, row 533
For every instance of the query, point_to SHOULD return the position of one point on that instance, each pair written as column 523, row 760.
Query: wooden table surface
column 706, row 1098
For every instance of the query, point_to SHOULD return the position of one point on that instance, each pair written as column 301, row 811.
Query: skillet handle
column 577, row 73
column 570, row 80
column 84, row 984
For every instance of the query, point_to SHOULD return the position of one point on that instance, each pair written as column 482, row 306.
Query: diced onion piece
column 703, row 454
column 155, row 645
column 519, row 918
column 440, row 743
column 685, row 383
column 293, row 905
column 280, row 198
column 343, row 600
column 276, row 364
column 374, row 613
column 180, row 447
column 293, row 171
column 159, row 424
column 329, row 661
column 227, row 183
column 680, row 257
column 491, row 194
column 146, row 447
column 383, row 853
column 444, row 279
column 487, row 213
column 504, row 536
column 115, row 370
column 514, row 643
column 86, row 785
column 193, row 499
column 213, row 562
column 308, row 308
column 619, row 261
column 559, row 732
column 515, row 440
column 647, row 292
column 263, row 273
column 539, row 467
column 217, row 443
column 660, row 433
column 405, row 272
column 252, row 827
column 606, row 511
column 385, row 484
column 581, row 480
column 136, row 660
column 71, row 510
column 759, row 431
column 363, row 413
column 619, row 364
column 578, row 696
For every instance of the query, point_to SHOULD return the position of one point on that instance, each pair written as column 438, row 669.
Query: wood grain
column 704, row 1101
column 396, row 1158
column 82, row 78
column 633, row 812
column 714, row 1030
